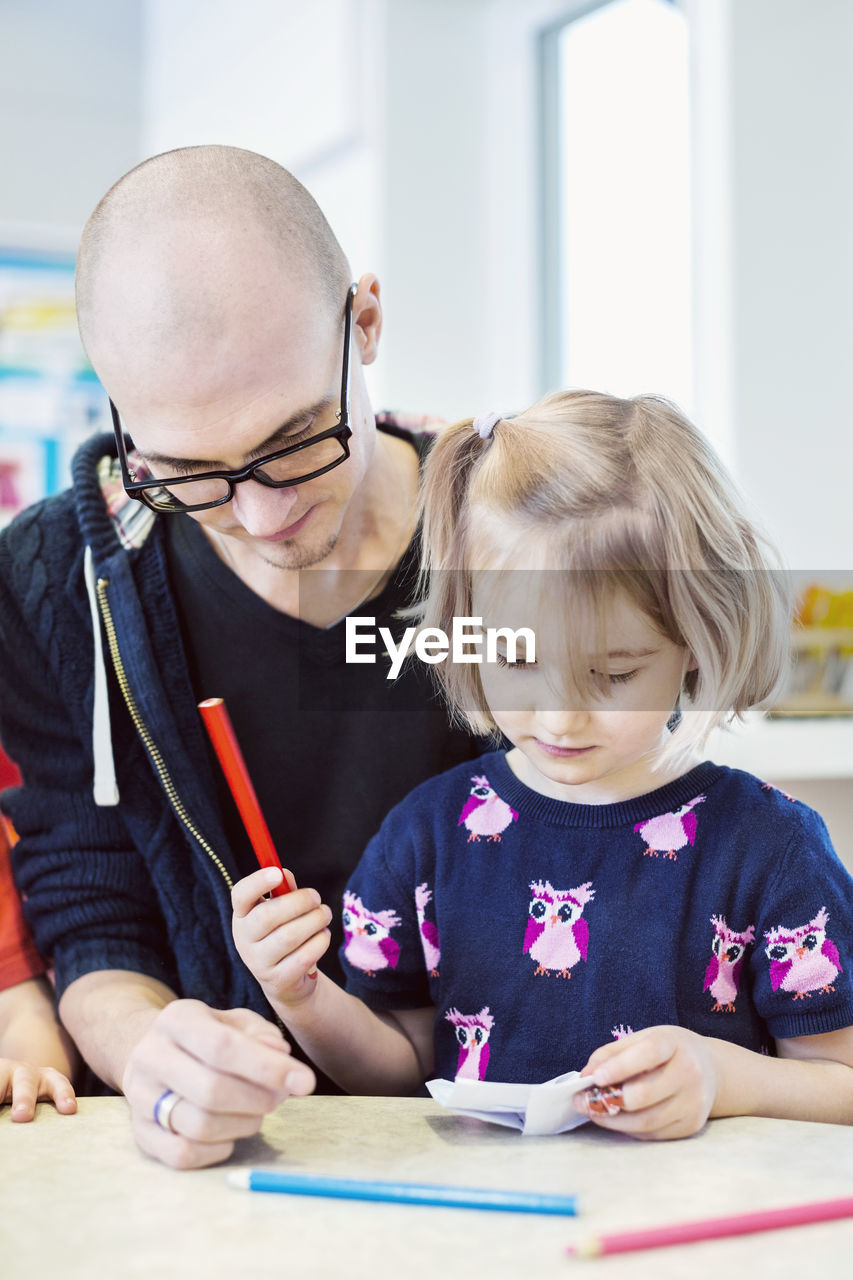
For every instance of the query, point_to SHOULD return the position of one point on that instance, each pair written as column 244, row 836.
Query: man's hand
column 279, row 939
column 668, row 1077
column 228, row 1068
column 23, row 1084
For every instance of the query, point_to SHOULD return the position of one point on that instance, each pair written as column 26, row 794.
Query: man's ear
column 367, row 318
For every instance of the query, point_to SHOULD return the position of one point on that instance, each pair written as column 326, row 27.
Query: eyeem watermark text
column 431, row 644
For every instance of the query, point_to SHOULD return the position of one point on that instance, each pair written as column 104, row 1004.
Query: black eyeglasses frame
column 137, row 489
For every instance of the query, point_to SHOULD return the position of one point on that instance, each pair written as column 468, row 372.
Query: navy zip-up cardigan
column 127, row 886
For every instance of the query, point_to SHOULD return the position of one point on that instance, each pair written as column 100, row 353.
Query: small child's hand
column 279, row 939
column 24, row 1084
column 669, row 1082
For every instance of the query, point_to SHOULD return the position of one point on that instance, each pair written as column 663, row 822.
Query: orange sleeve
column 19, row 959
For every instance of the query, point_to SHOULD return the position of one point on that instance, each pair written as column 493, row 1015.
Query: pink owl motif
column 428, row 930
column 669, row 832
column 367, row 941
column 804, row 959
column 722, row 977
column 472, row 1032
column 768, row 786
column 484, row 813
column 621, row 1032
column 556, row 934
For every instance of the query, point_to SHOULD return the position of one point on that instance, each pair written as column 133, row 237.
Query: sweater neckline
column 566, row 813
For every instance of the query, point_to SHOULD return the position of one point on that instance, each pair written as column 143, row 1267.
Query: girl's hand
column 669, row 1082
column 24, row 1084
column 279, row 939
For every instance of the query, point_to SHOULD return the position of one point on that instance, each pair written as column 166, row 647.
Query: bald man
column 247, row 504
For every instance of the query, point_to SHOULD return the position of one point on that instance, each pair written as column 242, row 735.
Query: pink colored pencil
column 225, row 744
column 740, row 1224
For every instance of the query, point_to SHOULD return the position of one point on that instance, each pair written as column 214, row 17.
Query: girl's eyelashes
column 519, row 664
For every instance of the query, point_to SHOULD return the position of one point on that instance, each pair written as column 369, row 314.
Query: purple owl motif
column 669, row 832
column 429, row 932
column 472, row 1032
column 556, row 934
column 722, row 977
column 367, row 944
column 484, row 813
column 804, row 959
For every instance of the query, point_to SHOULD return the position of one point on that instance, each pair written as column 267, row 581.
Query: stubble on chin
column 300, row 557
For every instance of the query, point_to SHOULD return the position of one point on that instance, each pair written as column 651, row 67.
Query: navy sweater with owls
column 541, row 929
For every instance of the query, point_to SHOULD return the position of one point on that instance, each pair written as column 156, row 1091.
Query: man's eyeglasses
column 293, row 465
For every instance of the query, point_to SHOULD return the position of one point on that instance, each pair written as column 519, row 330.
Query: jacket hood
column 111, row 523
column 109, row 520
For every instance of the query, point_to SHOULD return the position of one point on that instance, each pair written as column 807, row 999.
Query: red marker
column 218, row 725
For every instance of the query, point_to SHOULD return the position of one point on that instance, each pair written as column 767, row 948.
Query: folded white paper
column 535, row 1109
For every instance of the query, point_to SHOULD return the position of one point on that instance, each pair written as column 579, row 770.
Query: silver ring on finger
column 163, row 1108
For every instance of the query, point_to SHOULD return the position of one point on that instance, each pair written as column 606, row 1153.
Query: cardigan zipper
column 144, row 733
column 153, row 750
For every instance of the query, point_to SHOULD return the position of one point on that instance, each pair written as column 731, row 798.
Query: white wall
column 70, row 78
column 414, row 123
column 290, row 80
column 301, row 83
column 460, row 174
column 773, row 132
column 434, row 192
column 792, row 115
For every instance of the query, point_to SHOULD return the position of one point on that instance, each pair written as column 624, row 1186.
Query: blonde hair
column 630, row 497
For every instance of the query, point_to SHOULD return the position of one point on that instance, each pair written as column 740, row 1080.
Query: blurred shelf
column 821, row 638
column 814, row 704
column 787, row 748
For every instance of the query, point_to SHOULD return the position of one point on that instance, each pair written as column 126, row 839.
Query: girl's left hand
column 23, row 1085
column 668, row 1077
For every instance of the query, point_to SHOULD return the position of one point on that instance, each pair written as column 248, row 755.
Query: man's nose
column 263, row 511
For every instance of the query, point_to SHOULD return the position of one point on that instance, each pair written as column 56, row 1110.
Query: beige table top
column 79, row 1200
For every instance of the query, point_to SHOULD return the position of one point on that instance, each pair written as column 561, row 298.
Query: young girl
column 599, row 896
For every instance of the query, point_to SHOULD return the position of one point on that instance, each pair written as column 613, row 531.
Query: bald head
column 193, row 241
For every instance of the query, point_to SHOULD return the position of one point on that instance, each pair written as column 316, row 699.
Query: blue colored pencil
column 307, row 1184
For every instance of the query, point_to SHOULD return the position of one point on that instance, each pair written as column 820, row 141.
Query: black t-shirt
column 330, row 746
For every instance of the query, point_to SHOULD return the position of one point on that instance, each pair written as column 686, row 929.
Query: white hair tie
column 484, row 424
